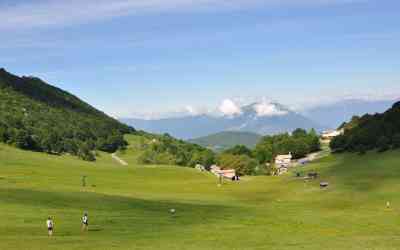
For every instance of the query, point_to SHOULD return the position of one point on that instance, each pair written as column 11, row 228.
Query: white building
column 283, row 160
column 328, row 135
column 282, row 163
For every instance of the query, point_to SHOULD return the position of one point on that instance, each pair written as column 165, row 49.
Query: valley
column 199, row 125
column 129, row 206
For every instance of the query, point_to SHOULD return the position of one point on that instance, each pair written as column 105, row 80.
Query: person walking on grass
column 50, row 226
column 85, row 222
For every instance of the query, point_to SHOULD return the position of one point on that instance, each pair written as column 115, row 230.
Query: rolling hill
column 228, row 139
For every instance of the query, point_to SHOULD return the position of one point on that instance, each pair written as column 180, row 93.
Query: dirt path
column 311, row 157
column 119, row 160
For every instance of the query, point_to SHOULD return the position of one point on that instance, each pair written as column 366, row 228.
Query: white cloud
column 59, row 13
column 229, row 107
column 196, row 111
column 268, row 109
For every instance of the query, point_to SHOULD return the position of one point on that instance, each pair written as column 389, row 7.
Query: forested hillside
column 379, row 131
column 228, row 139
column 37, row 116
column 166, row 150
column 299, row 143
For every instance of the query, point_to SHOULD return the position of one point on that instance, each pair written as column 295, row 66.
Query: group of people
column 85, row 224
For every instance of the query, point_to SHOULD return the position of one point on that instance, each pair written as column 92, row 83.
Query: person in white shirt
column 50, row 226
column 85, row 222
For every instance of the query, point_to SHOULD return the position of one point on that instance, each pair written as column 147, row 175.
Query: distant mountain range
column 224, row 140
column 261, row 118
column 333, row 115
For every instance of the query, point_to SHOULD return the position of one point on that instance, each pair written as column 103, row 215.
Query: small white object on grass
column 387, row 204
column 172, row 211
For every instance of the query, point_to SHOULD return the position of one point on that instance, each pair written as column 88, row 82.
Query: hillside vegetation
column 299, row 143
column 378, row 131
column 150, row 149
column 227, row 139
column 37, row 116
column 129, row 206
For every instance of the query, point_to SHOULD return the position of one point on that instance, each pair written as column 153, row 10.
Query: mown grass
column 129, row 206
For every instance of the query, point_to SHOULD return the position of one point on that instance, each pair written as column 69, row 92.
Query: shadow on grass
column 114, row 205
column 363, row 173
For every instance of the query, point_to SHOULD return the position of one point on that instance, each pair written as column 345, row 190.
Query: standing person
column 85, row 222
column 50, row 226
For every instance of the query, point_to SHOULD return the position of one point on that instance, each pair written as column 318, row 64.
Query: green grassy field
column 129, row 206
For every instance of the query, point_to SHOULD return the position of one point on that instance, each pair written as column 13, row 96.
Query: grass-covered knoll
column 37, row 116
column 128, row 206
column 227, row 139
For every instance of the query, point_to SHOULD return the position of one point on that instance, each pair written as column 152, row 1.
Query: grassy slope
column 128, row 206
column 134, row 149
column 228, row 139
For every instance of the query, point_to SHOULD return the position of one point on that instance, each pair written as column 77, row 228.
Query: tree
column 383, row 144
column 84, row 153
column 396, row 141
column 299, row 148
column 338, row 144
column 3, row 134
column 243, row 164
column 239, row 150
column 299, row 133
column 23, row 140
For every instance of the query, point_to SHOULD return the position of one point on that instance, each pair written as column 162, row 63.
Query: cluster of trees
column 243, row 163
column 164, row 149
column 37, row 116
column 369, row 132
column 299, row 143
column 249, row 162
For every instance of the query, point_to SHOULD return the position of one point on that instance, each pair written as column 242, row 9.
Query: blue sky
column 128, row 57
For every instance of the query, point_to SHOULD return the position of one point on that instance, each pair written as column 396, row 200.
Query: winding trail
column 119, row 160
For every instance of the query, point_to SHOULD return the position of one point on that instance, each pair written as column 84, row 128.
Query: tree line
column 167, row 150
column 379, row 132
column 249, row 162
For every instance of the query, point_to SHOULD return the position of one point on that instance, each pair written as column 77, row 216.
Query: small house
column 215, row 170
column 283, row 160
column 226, row 173
column 282, row 163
